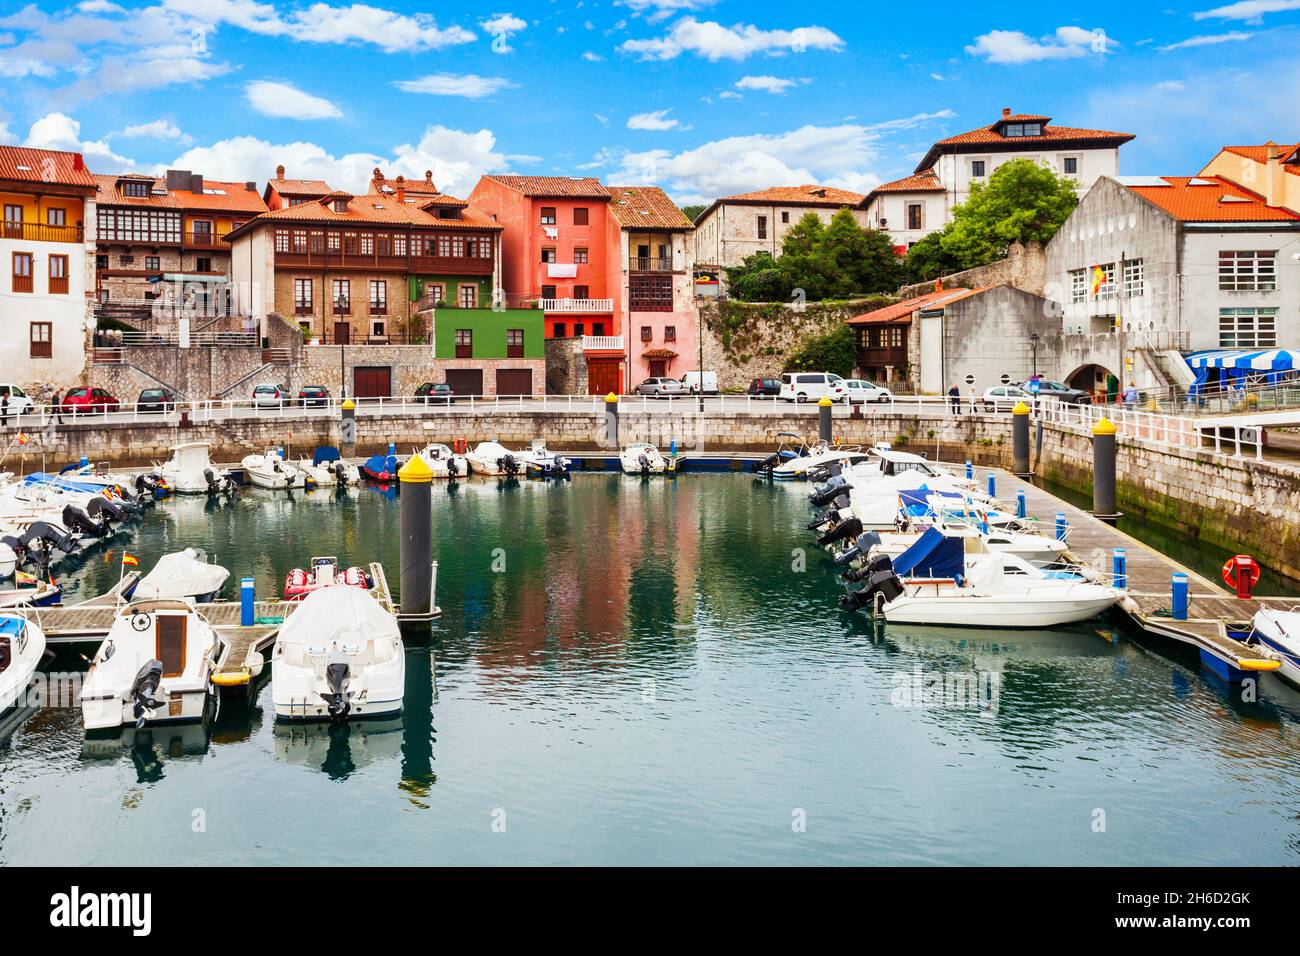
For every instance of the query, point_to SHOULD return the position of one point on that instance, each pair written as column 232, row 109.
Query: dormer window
column 340, row 205
column 136, row 190
column 1011, row 130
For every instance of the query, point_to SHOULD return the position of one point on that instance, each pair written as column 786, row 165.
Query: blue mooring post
column 84, row 461
column 970, row 470
column 1178, row 597
column 1119, row 567
column 1061, row 526
column 1020, row 504
column 247, row 602
column 993, row 485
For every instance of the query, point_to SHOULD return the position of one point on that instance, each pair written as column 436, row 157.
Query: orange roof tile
column 310, row 188
column 926, row 181
column 372, row 209
column 1205, row 199
column 221, row 197
column 578, row 187
column 50, row 167
column 810, row 195
column 991, row 136
column 422, row 187
column 900, row 313
column 646, row 207
column 108, row 192
column 1290, row 153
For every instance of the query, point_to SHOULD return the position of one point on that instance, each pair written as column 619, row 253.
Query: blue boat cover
column 11, row 626
column 325, row 453
column 916, row 502
column 933, row 555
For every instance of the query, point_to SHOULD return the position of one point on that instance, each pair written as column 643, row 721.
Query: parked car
column 270, row 396
column 84, row 399
column 812, row 387
column 1060, row 391
column 1003, row 398
column 18, row 400
column 860, row 392
column 156, row 400
column 310, row 395
column 691, row 382
column 436, row 393
column 660, row 387
column 764, row 386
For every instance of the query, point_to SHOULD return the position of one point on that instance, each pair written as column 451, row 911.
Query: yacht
column 190, row 471
column 1279, row 631
column 327, row 469
column 22, row 645
column 820, row 455
column 182, row 575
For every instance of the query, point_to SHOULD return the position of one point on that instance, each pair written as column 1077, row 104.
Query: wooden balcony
column 343, row 261
column 650, row 264
column 41, row 232
column 894, row 357
column 22, row 283
column 58, row 285
column 205, row 240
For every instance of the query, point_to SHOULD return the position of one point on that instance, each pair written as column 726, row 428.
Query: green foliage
column 693, row 211
column 926, row 260
column 833, row 352
column 758, row 279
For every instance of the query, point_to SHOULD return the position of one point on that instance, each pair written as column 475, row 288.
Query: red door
column 373, row 382
column 603, row 377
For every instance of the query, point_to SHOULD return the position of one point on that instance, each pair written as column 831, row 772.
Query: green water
column 632, row 672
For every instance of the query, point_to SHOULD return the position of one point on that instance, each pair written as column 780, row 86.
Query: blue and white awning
column 1270, row 360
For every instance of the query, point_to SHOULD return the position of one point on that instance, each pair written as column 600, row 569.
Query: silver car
column 660, row 387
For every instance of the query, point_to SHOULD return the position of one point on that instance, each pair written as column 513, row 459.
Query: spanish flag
column 1098, row 278
column 130, row 560
column 22, row 578
column 23, row 438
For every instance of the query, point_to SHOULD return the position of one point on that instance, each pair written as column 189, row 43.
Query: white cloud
column 1209, row 40
column 99, row 6
column 467, row 85
column 1252, row 10
column 768, row 84
column 157, row 129
column 657, row 120
column 60, row 131
column 656, row 10
column 591, row 57
column 1167, row 86
column 714, row 42
column 6, row 137
column 500, row 27
column 284, row 99
column 1012, row 46
column 727, row 95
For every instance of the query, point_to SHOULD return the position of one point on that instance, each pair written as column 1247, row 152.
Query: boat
column 323, row 572
column 22, row 645
column 1279, row 631
column 327, row 468
column 153, row 667
column 339, row 656
column 493, row 458
column 190, row 471
column 381, row 467
column 181, row 575
column 32, row 592
column 443, row 462
column 933, row 582
column 271, row 471
column 642, row 458
column 541, row 463
column 819, row 456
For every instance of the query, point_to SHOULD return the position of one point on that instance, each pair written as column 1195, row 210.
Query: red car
column 80, row 400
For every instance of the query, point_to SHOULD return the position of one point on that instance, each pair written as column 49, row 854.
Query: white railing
column 603, row 343
column 577, row 305
column 196, row 339
column 1160, row 428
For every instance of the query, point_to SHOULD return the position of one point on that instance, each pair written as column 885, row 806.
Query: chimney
column 401, row 189
column 1274, row 176
column 377, row 175
column 1006, row 112
column 77, row 162
column 428, row 178
column 196, row 183
column 279, row 172
column 250, row 186
column 178, row 179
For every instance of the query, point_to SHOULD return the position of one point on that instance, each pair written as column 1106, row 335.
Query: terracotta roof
column 991, row 136
column 1290, row 153
column 646, row 207
column 659, row 354
column 421, row 187
column 372, row 209
column 44, row 166
column 798, row 196
column 310, row 188
column 107, row 192
column 1205, row 199
column 900, row 313
column 224, row 197
column 926, row 181
column 584, row 187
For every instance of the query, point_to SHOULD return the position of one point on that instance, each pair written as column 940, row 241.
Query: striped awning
column 1267, row 360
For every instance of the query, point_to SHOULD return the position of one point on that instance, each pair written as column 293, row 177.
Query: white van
column 691, row 383
column 19, row 402
column 812, row 387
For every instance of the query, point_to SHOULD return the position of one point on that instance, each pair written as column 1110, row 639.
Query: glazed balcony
column 41, row 232
column 374, row 262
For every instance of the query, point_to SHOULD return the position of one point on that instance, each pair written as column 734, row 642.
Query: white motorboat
column 189, row 471
column 22, row 645
column 1036, row 549
column 338, row 656
column 328, row 470
column 541, row 463
column 818, row 456
column 1279, row 631
column 493, row 458
column 642, row 458
column 443, row 462
column 271, row 471
column 181, row 575
column 154, row 666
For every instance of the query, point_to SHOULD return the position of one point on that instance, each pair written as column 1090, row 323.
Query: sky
column 702, row 98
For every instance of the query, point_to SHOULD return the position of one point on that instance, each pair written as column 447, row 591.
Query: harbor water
column 655, row 672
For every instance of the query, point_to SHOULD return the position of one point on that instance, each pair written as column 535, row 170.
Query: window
column 548, row 254
column 581, row 292
column 101, row 262
column 58, row 275
column 138, row 225
column 1078, row 285
column 650, row 293
column 1247, row 328
column 1104, row 284
column 514, row 343
column 548, row 215
column 340, row 205
column 55, row 217
column 598, row 328
column 203, row 265
column 136, row 190
column 13, row 214
column 1022, row 129
column 342, row 296
column 433, row 293
column 367, row 243
column 1134, row 278
column 645, row 333
column 41, row 336
column 762, row 227
column 548, row 292
column 977, row 169
column 464, row 343
column 378, row 297
column 579, row 329
column 785, row 217
column 914, row 215
column 202, row 229
column 22, row 280
column 126, row 260
column 670, row 333
column 580, row 256
column 468, row 296
column 1248, row 271
column 1071, row 165
column 558, row 333
column 152, row 263
column 302, row 297
column 580, row 216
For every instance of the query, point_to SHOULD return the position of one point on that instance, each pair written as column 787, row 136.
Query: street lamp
column 1033, row 341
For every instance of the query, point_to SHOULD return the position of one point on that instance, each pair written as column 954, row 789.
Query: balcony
column 41, row 232
column 374, row 262
column 881, row 356
column 650, row 264
column 204, row 240
column 602, row 343
column 580, row 306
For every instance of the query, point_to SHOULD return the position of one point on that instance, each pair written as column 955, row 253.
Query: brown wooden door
column 342, row 333
column 465, row 381
column 658, row 368
column 603, row 377
column 514, row 381
column 372, row 382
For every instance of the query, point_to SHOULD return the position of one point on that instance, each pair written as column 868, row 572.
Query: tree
column 1023, row 201
column 859, row 260
column 758, row 278
column 926, row 259
column 693, row 211
column 836, row 352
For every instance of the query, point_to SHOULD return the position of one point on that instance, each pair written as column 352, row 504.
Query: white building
column 47, row 266
column 911, row 208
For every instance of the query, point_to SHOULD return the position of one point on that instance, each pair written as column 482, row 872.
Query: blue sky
column 702, row 98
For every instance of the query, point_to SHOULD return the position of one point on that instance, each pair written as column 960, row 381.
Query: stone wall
column 566, row 367
column 1025, row 267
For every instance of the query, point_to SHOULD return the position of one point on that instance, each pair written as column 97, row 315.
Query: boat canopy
column 1223, row 367
column 916, row 502
column 325, row 454
column 933, row 555
column 180, row 575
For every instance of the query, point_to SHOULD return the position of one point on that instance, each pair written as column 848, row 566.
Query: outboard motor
column 825, row 494
column 143, row 689
column 644, row 461
column 75, row 519
column 561, row 467
column 116, row 510
column 17, row 546
column 510, row 465
column 874, row 565
column 220, row 486
column 51, row 535
column 886, row 584
column 768, row 463
column 337, row 677
column 860, row 548
column 451, row 467
column 850, row 528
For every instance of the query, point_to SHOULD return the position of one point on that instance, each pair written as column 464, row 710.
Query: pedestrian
column 4, row 408
column 58, row 407
column 1131, row 395
column 954, row 398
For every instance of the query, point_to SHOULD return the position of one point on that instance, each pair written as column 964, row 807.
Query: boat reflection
column 339, row 748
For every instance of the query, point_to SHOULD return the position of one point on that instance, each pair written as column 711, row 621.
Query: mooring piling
column 1103, row 471
column 1020, row 439
column 416, row 553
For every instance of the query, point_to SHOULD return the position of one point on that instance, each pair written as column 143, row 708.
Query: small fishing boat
column 443, row 462
column 323, row 572
column 190, row 471
column 541, row 463
column 327, row 469
column 153, row 667
column 22, row 645
column 1279, row 631
column 382, row 467
column 271, row 471
column 493, row 458
column 642, row 458
column 338, row 657
column 181, row 575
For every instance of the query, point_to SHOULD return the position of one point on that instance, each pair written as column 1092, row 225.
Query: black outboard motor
column 17, row 546
column 337, row 677
column 644, row 461
column 451, row 467
column 510, row 465
column 849, row 528
column 883, row 583
column 873, row 565
column 74, row 519
column 860, row 548
column 825, row 494
column 143, row 689
column 115, row 510
column 220, row 486
column 768, row 463
column 45, row 532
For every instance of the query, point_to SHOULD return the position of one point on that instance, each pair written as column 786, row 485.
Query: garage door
column 465, row 381
column 372, row 382
column 514, row 381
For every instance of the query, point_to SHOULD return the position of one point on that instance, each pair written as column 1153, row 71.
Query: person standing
column 954, row 398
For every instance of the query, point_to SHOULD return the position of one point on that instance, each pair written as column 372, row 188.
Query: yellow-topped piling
column 415, row 470
column 1020, row 409
column 1104, row 427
